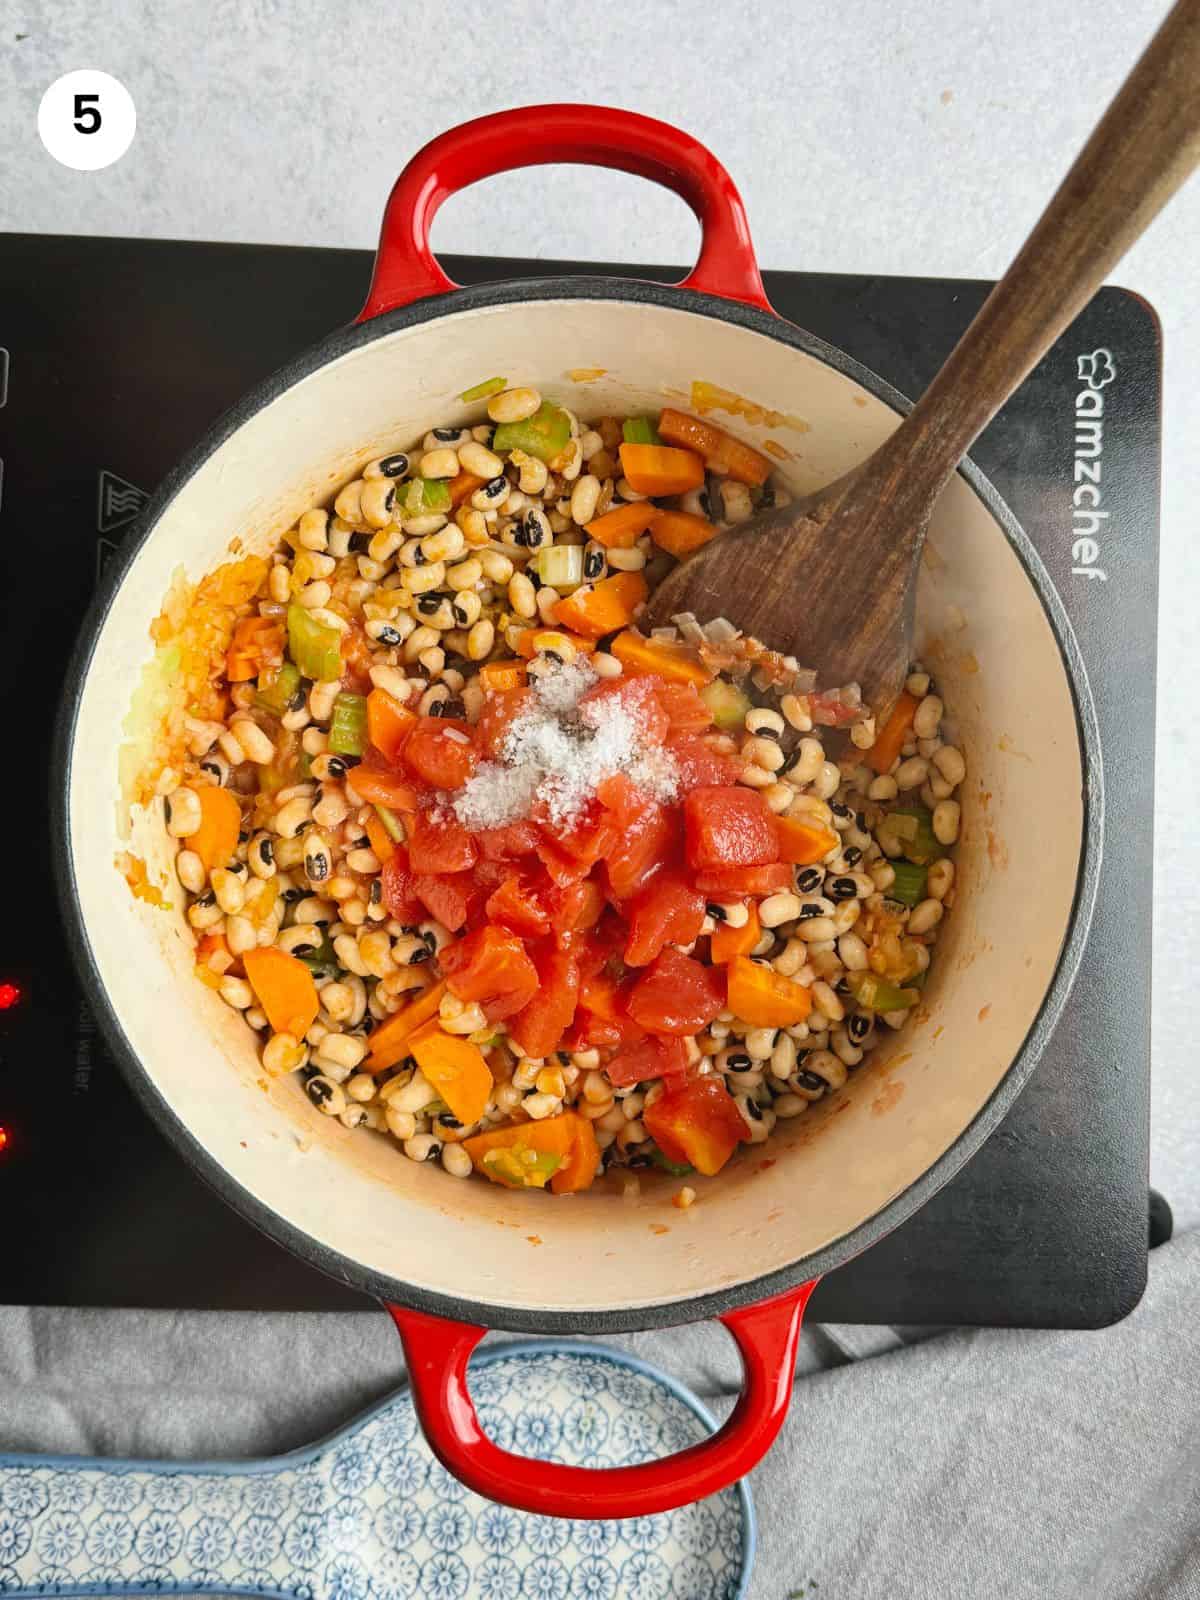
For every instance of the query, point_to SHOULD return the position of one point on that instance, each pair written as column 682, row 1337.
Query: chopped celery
column 877, row 994
column 422, row 497
column 677, row 1169
column 909, row 885
column 392, row 823
column 278, row 693
column 348, row 726
column 304, row 765
column 315, row 647
column 640, row 430
column 726, row 702
column 913, row 827
column 481, row 391
column 322, row 959
column 522, row 1168
column 543, row 435
column 560, row 565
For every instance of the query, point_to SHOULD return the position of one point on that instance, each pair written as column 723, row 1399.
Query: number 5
column 87, row 118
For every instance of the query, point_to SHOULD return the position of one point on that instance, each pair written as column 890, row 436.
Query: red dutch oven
column 452, row 1259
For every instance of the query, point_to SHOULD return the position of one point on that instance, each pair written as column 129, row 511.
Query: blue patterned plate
column 369, row 1514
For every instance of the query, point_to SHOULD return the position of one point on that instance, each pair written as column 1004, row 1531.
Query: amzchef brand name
column 1088, row 513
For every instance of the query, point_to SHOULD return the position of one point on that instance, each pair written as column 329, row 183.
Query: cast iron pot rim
column 622, row 1319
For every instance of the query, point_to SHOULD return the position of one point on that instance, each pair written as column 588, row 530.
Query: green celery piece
column 913, row 826
column 909, row 885
column 348, row 726
column 543, row 435
column 278, row 693
column 522, row 1167
column 677, row 1169
column 560, row 565
column 315, row 648
column 421, row 497
column 391, row 822
column 304, row 764
column 481, row 391
column 877, row 994
column 640, row 430
column 322, row 958
column 726, row 702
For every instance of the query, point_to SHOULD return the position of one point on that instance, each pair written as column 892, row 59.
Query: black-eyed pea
column 189, row 869
column 844, row 1048
column 236, row 992
column 360, row 1087
column 343, row 1051
column 283, row 1053
column 765, row 753
column 827, row 781
column 441, row 462
column 947, row 815
column 326, row 1095
column 513, row 405
column 421, row 639
column 927, row 718
column 917, row 683
column 348, row 504
column 755, row 777
column 940, row 879
column 401, row 1125
column 862, row 734
column 182, row 811
column 204, row 914
column 949, row 762
column 759, row 1120
column 925, row 916
column 229, row 890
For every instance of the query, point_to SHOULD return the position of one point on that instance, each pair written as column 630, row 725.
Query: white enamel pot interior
column 827, row 1184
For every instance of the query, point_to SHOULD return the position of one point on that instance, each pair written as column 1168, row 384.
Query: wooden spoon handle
column 1146, row 145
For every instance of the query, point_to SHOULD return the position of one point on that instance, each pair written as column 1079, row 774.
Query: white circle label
column 87, row 119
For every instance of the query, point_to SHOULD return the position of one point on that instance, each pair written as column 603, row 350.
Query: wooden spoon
column 831, row 579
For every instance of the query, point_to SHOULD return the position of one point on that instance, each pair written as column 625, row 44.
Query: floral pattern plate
column 369, row 1514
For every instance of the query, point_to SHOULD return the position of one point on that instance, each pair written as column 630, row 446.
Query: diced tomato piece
column 647, row 1058
column 441, row 846
column 564, row 869
column 576, row 906
column 603, row 1011
column 728, row 827
column 699, row 763
column 734, row 883
column 643, row 847
column 440, row 750
column 489, row 875
column 685, row 710
column 829, row 710
column 667, row 911
column 508, row 842
column 499, row 709
column 677, row 995
column 635, row 695
column 448, row 900
column 539, row 1027
column 400, row 891
column 516, row 904
column 356, row 653
column 697, row 1122
column 490, row 967
column 586, row 837
column 605, row 943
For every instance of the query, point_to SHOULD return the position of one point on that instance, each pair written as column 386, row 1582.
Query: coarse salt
column 557, row 754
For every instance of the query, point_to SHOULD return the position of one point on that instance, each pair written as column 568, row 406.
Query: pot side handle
column 438, row 1350
column 406, row 268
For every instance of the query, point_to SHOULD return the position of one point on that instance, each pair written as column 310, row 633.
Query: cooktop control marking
column 3, row 376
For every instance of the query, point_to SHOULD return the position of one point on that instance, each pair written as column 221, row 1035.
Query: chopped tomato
column 440, row 750
column 388, row 724
column 685, row 710
column 696, row 1122
column 447, row 900
column 575, row 906
column 637, row 696
column 830, row 710
column 732, row 883
column 564, row 869
column 540, row 1026
column 698, row 763
column 517, row 906
column 647, row 1058
column 499, row 709
column 728, row 827
column 667, row 911
column 603, row 1014
column 605, row 943
column 677, row 995
column 383, row 788
column 400, row 890
column 490, row 967
column 641, row 849
column 586, row 837
column 356, row 653
column 442, row 846
column 508, row 842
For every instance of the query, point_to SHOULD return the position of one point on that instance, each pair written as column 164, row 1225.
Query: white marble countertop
column 859, row 145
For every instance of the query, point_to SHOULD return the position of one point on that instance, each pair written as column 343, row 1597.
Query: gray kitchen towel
column 974, row 1463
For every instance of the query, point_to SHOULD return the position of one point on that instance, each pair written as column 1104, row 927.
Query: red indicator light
column 3, row 1140
column 10, row 996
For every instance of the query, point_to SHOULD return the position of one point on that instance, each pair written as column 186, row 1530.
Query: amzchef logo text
column 1095, row 372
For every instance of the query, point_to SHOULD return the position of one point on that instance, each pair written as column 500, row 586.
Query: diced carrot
column 390, row 1041
column 462, row 486
column 389, row 723
column 284, row 988
column 215, row 840
column 497, row 675
column 579, row 1170
column 600, row 608
column 893, row 733
column 765, row 998
column 722, row 453
column 677, row 663
column 383, row 789
column 457, row 1070
column 802, row 843
column 257, row 643
column 619, row 528
column 553, row 1136
column 656, row 469
column 531, row 640
column 382, row 842
column 727, row 942
column 681, row 532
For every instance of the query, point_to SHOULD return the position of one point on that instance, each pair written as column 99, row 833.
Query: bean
column 439, row 463
column 481, row 461
column 941, row 878
column 928, row 717
column 584, row 497
column 779, row 908
column 183, row 813
column 911, row 774
column 924, row 916
column 950, row 764
column 946, row 817
column 513, row 405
